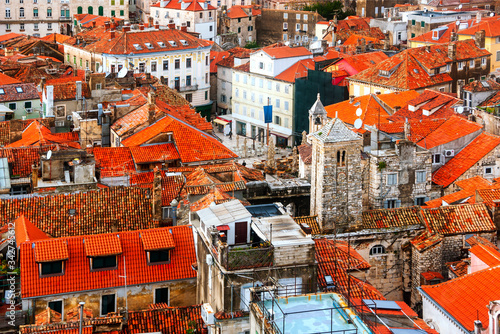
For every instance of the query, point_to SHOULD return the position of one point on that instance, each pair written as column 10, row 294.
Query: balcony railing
column 64, row 18
column 188, row 88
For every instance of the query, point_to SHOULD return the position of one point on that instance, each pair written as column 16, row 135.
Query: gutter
column 423, row 293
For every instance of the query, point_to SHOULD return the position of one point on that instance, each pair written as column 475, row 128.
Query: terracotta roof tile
column 490, row 27
column 430, row 275
column 465, row 159
column 37, row 135
column 166, row 320
column 372, row 110
column 297, row 70
column 465, row 298
column 6, row 80
column 216, row 57
column 114, row 161
column 387, row 218
column 156, row 239
column 452, row 129
column 492, row 101
column 123, row 208
column 278, row 52
column 488, row 255
column 134, row 119
column 50, row 250
column 26, row 231
column 171, row 186
column 102, row 245
column 10, row 93
column 311, row 221
column 481, row 86
column 154, row 153
column 425, row 240
column 79, row 277
column 67, row 90
column 20, row 160
column 458, row 219
column 459, row 268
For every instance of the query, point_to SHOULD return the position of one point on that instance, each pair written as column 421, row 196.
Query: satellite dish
column 457, row 23
column 492, row 14
column 49, row 154
column 358, row 123
column 460, row 110
column 122, row 73
column 359, row 111
column 339, row 42
column 460, row 7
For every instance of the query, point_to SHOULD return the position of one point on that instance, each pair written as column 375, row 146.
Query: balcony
column 188, row 88
column 244, row 257
column 64, row 18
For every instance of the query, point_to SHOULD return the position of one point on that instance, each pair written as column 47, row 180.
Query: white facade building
column 258, row 84
column 199, row 16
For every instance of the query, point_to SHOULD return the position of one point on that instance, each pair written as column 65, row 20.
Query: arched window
column 377, row 250
column 101, row 10
column 343, row 158
column 338, row 158
column 79, row 10
column 21, row 12
column 90, row 10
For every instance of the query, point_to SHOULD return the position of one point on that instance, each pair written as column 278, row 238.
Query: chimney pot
column 141, row 26
column 106, row 25
column 112, row 34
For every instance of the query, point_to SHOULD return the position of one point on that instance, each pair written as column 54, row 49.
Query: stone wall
column 430, row 259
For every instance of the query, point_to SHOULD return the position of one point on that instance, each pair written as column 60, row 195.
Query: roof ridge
column 462, row 277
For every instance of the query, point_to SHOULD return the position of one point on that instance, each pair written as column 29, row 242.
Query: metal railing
column 188, row 88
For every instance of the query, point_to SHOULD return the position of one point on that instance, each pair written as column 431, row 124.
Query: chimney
column 112, row 34
column 453, row 36
column 478, row 326
column 43, row 82
column 452, row 51
column 428, row 48
column 9, row 52
column 157, row 25
column 106, row 25
column 184, row 27
column 351, row 98
column 93, row 24
column 478, row 17
column 141, row 26
column 406, row 129
column 479, row 38
column 151, row 108
column 387, row 42
column 126, row 28
column 34, row 176
column 157, row 194
column 171, row 24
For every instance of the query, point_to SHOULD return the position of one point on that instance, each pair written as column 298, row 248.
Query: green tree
column 251, row 45
column 329, row 9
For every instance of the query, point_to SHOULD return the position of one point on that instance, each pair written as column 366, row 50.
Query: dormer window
column 172, row 43
column 103, row 262
column 19, row 89
column 158, row 245
column 52, row 268
column 102, row 251
column 2, row 92
column 149, row 45
column 185, row 43
column 383, row 73
column 137, row 46
column 161, row 44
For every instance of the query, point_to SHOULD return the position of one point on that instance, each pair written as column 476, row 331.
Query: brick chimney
column 157, row 25
column 106, row 25
column 141, row 26
column 184, row 27
column 126, row 28
column 151, row 107
column 93, row 24
column 479, row 38
column 34, row 176
column 171, row 24
column 452, row 51
column 156, row 194
column 112, row 34
column 43, row 82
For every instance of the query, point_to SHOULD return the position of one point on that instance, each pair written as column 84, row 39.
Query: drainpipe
column 81, row 317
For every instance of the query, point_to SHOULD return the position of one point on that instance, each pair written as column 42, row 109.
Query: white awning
column 220, row 121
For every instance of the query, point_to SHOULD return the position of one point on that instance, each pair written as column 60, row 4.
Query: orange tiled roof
column 157, row 239
column 102, row 245
column 21, row 159
column 430, row 275
column 65, row 89
column 425, row 240
column 386, row 218
column 459, row 268
column 154, row 153
column 192, row 144
column 236, row 12
column 372, row 110
column 134, row 120
column 215, row 195
column 171, row 186
column 465, row 159
column 186, row 114
column 465, row 298
column 452, row 129
column 216, row 57
column 123, row 208
column 488, row 255
column 10, row 93
column 6, row 80
column 59, row 38
column 49, row 250
column 26, row 231
column 356, row 39
column 490, row 196
column 166, row 320
column 194, row 5
column 481, row 86
column 10, row 35
column 36, row 135
column 114, row 161
column 278, row 52
column 458, row 219
column 297, row 70
column 492, row 101
column 490, row 27
column 79, row 277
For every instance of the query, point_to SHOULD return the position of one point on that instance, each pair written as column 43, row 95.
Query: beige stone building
column 239, row 21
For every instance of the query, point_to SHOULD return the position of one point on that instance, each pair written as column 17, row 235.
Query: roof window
column 173, row 43
column 149, row 45
column 384, row 73
column 161, row 44
column 137, row 46
column 2, row 92
column 19, row 89
column 184, row 42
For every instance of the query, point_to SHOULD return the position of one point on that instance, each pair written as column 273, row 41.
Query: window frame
column 378, row 250
column 153, row 263
column 391, row 176
column 101, row 304
column 419, row 172
column 91, row 259
column 168, row 294
column 51, row 274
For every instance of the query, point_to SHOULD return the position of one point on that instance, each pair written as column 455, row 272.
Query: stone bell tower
column 317, row 116
column 336, row 176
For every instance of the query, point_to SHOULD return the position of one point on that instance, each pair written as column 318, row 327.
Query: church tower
column 336, row 176
column 317, row 116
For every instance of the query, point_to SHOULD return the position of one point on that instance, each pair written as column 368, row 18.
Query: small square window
column 2, row 92
column 420, row 201
column 421, row 176
column 162, row 296
column 51, row 268
column 56, row 305
column 159, row 256
column 19, row 89
column 488, row 170
column 436, row 158
column 392, row 179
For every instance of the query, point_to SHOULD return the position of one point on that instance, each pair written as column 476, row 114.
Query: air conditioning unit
column 207, row 314
column 29, row 110
column 69, row 117
column 449, row 153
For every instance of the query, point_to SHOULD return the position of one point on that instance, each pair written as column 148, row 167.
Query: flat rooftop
column 280, row 230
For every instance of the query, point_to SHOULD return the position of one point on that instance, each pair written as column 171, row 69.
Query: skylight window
column 173, row 43
column 485, row 84
column 161, row 44
column 2, row 92
column 149, row 45
column 384, row 73
column 19, row 89
column 415, row 70
column 184, row 42
column 137, row 46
